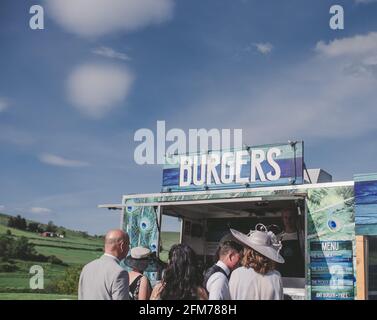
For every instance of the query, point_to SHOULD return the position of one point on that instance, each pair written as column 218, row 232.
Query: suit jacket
column 104, row 279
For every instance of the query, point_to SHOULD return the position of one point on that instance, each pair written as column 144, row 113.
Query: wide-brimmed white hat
column 143, row 259
column 264, row 242
column 140, row 252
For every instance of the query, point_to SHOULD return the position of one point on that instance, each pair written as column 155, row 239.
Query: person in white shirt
column 216, row 279
column 257, row 279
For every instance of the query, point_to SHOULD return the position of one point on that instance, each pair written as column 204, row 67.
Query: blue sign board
column 262, row 166
column 331, row 270
column 366, row 204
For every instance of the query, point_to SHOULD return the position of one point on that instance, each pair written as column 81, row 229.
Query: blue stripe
column 287, row 166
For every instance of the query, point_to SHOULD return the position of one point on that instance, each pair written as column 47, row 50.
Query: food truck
column 214, row 191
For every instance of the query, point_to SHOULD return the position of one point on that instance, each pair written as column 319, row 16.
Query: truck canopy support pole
column 361, row 268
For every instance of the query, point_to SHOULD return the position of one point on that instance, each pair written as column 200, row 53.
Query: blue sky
column 72, row 95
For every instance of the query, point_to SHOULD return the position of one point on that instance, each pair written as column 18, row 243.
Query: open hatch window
column 203, row 225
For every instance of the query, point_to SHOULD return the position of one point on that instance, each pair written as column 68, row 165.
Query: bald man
column 104, row 278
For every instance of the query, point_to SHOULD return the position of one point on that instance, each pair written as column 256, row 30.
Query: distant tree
column 5, row 246
column 23, row 249
column 34, row 227
column 84, row 234
column 9, row 233
column 11, row 222
column 51, row 227
column 17, row 222
column 23, row 224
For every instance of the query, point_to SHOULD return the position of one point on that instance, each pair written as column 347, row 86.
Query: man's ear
column 234, row 253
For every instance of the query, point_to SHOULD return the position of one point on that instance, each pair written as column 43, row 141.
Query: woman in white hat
column 139, row 285
column 257, row 279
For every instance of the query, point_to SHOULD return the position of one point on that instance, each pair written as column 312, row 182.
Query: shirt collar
column 111, row 256
column 223, row 266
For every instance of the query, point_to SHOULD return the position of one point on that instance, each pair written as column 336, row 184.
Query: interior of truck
column 205, row 223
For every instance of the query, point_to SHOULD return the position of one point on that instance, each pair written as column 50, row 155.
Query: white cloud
column 4, row 104
column 110, row 53
column 55, row 160
column 264, row 48
column 322, row 97
column 357, row 45
column 358, row 53
column 38, row 210
column 96, row 89
column 101, row 17
column 2, row 207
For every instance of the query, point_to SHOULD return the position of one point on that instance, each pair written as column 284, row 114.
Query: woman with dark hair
column 257, row 279
column 182, row 278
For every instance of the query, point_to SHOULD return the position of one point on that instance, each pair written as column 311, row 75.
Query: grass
column 3, row 219
column 74, row 239
column 35, row 296
column 14, row 280
column 167, row 240
column 69, row 250
column 66, row 244
column 70, row 256
column 20, row 278
column 74, row 249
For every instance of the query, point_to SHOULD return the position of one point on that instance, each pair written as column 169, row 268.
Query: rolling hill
column 75, row 250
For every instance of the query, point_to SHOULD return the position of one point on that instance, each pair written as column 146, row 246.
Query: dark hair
column 228, row 246
column 225, row 247
column 181, row 278
column 257, row 261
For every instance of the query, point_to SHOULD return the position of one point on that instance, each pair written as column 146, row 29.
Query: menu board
column 331, row 266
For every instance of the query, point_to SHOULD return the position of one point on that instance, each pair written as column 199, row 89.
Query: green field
column 20, row 279
column 74, row 250
column 167, row 240
column 35, row 296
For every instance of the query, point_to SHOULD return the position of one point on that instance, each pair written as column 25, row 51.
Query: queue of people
column 246, row 270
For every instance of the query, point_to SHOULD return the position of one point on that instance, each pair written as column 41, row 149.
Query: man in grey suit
column 104, row 278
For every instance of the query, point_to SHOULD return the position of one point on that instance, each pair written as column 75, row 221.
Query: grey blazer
column 104, row 279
